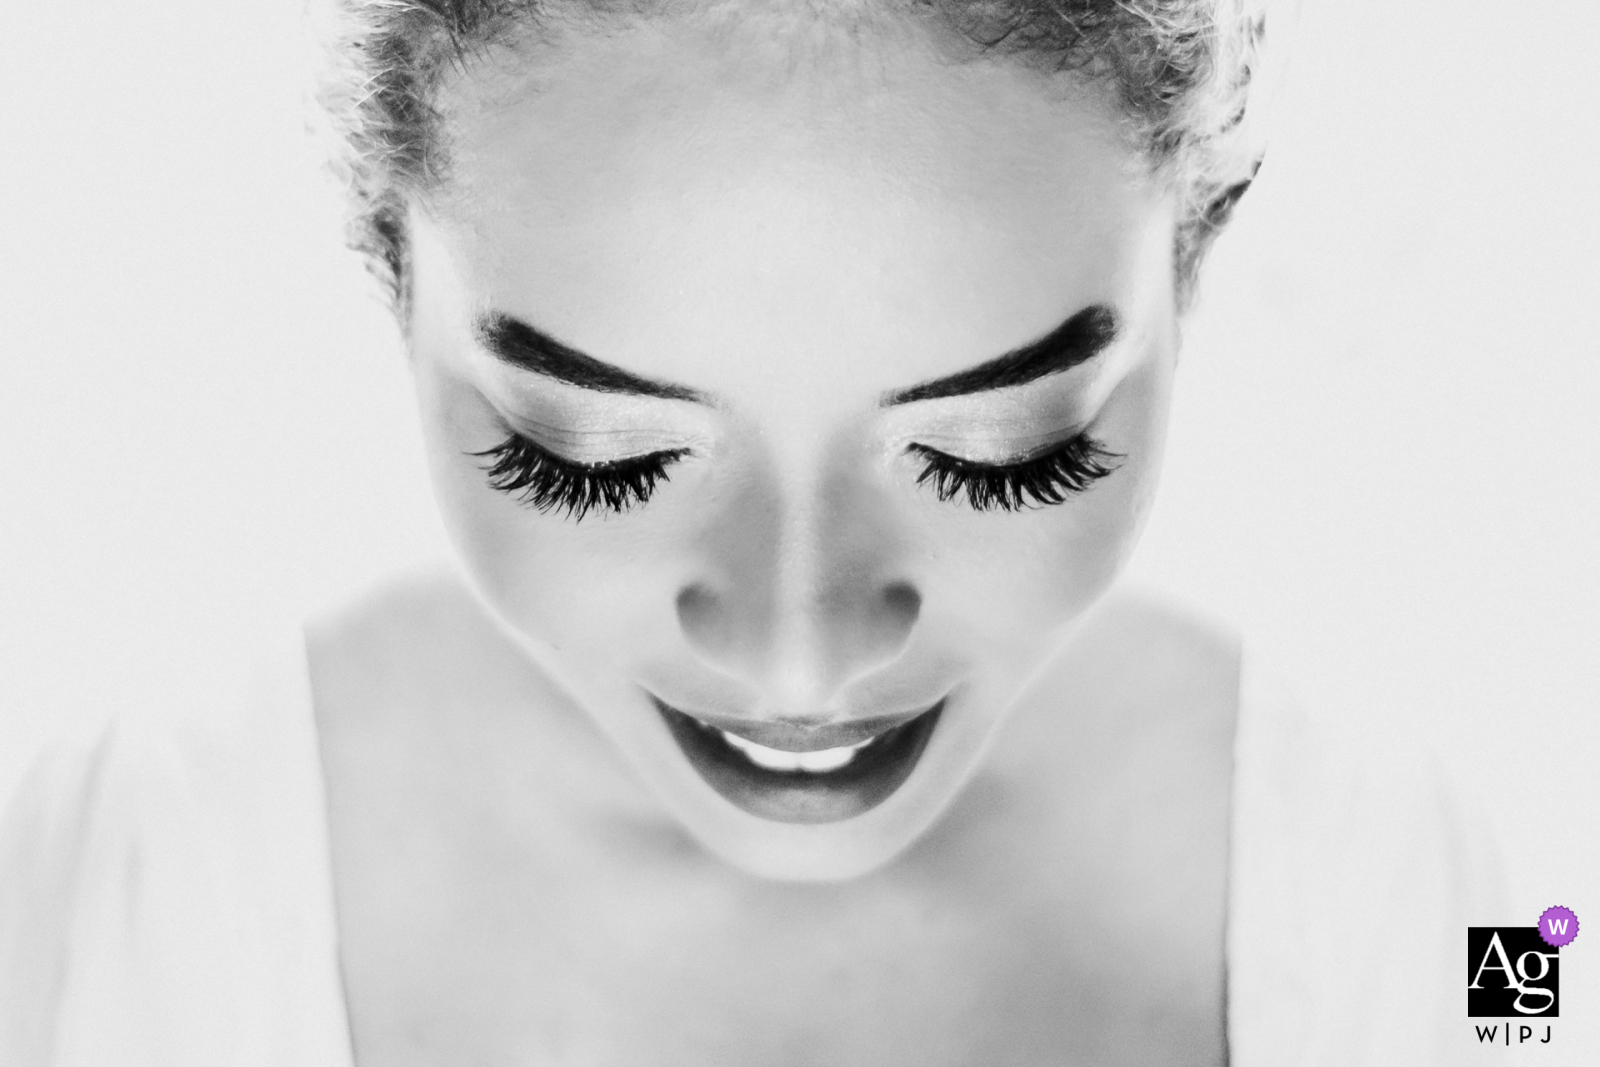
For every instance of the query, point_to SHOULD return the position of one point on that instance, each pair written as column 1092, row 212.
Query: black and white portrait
column 799, row 533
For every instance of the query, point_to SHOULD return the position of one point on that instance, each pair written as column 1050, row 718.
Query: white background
column 1385, row 460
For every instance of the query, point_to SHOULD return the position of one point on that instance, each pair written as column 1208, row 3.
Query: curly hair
column 1187, row 76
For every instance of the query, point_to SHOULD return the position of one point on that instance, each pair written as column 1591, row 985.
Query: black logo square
column 1511, row 971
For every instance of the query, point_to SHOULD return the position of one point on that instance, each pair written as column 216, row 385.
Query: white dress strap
column 1354, row 874
column 165, row 894
column 1271, row 999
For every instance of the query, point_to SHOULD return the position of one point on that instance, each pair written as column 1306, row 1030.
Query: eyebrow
column 1077, row 340
column 513, row 341
column 1082, row 337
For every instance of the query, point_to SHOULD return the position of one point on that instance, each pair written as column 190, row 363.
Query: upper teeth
column 776, row 759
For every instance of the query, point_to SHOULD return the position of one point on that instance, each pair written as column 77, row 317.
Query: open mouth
column 794, row 782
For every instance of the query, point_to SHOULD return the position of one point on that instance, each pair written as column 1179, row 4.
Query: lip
column 792, row 736
column 874, row 773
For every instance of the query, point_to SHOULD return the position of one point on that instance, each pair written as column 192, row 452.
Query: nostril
column 902, row 602
column 697, row 606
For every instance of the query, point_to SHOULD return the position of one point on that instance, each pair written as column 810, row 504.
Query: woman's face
column 790, row 404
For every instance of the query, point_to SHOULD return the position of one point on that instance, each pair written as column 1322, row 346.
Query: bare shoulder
column 411, row 608
column 411, row 642
column 1142, row 675
column 1146, row 650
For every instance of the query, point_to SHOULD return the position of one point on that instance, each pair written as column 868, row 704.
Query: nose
column 799, row 591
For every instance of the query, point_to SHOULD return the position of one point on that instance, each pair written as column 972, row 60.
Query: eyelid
column 552, row 426
column 597, row 447
column 1002, row 418
column 1049, row 478
column 597, row 463
column 1004, row 450
column 1009, row 463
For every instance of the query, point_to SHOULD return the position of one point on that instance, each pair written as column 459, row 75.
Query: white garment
column 166, row 898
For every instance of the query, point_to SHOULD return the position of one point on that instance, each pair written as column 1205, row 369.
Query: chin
column 808, row 855
column 817, row 852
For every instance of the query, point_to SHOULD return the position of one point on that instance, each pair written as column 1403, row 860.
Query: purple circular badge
column 1558, row 926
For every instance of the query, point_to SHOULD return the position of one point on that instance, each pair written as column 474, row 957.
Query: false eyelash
column 544, row 481
column 1043, row 480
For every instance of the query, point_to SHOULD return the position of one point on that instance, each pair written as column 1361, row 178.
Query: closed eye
column 1038, row 481
column 540, row 479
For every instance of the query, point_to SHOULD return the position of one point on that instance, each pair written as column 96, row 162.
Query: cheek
column 1022, row 579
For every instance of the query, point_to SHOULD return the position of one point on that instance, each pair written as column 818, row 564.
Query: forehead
column 667, row 192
